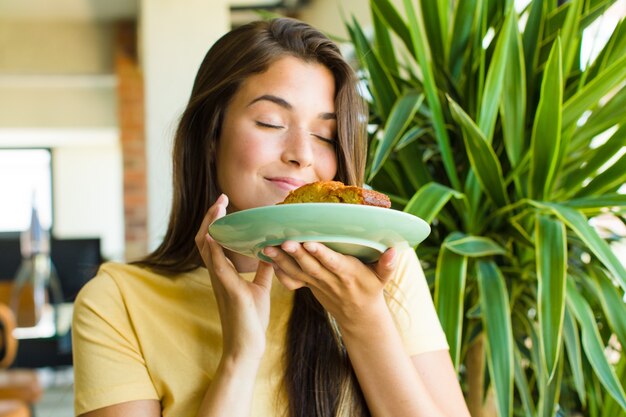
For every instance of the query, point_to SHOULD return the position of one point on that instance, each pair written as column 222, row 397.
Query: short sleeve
column 108, row 364
column 412, row 307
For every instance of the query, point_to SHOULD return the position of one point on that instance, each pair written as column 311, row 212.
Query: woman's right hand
column 244, row 306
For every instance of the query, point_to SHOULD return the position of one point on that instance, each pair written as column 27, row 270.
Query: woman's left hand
column 348, row 289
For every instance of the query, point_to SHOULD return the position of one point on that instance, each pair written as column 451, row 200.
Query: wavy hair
column 318, row 379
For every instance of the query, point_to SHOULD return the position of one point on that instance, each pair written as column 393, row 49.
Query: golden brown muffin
column 336, row 192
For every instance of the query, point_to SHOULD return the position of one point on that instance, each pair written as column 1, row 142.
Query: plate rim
column 423, row 226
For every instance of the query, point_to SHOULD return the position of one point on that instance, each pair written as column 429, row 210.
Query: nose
column 298, row 148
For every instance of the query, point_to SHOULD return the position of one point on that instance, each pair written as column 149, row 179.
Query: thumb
column 386, row 265
column 264, row 275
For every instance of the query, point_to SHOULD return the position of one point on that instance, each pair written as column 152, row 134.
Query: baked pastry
column 336, row 192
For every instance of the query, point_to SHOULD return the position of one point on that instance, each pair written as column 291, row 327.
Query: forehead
column 290, row 76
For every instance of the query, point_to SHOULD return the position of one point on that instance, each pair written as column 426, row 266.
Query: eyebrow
column 286, row 105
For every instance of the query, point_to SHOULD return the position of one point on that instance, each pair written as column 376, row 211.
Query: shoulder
column 115, row 284
column 126, row 288
column 409, row 267
column 114, row 278
column 410, row 302
column 106, row 281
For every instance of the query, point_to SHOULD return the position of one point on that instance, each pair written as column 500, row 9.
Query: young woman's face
column 278, row 133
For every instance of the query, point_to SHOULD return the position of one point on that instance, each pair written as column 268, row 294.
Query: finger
column 287, row 281
column 288, row 264
column 264, row 275
column 221, row 266
column 305, row 260
column 386, row 265
column 328, row 258
column 217, row 210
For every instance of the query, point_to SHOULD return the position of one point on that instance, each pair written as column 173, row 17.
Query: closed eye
column 268, row 125
column 324, row 139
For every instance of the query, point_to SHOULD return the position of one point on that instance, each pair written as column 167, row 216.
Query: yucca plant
column 485, row 123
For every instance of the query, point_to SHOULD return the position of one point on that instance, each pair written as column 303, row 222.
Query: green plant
column 497, row 146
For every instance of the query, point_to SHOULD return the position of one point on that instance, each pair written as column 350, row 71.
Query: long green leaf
column 513, row 103
column 443, row 6
column 393, row 172
column 450, row 277
column 384, row 45
column 495, row 77
column 579, row 224
column 433, row 29
column 463, row 23
column 475, row 246
column 383, row 86
column 411, row 135
column 593, row 160
column 597, row 202
column 414, row 168
column 387, row 11
column 400, row 117
column 424, row 58
column 496, row 313
column 478, row 58
column 429, row 200
column 574, row 354
column 602, row 118
column 546, row 136
column 590, row 94
column 534, row 26
column 612, row 303
column 610, row 407
column 551, row 253
column 609, row 181
column 614, row 48
column 550, row 391
column 592, row 344
column 482, row 156
column 570, row 35
column 521, row 382
column 593, row 10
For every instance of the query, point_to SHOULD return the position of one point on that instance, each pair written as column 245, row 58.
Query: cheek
column 250, row 154
column 327, row 164
column 242, row 151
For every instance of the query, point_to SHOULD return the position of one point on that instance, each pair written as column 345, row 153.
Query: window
column 25, row 180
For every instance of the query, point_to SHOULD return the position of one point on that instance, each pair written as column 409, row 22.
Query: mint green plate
column 361, row 231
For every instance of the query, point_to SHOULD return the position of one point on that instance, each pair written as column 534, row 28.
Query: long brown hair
column 318, row 377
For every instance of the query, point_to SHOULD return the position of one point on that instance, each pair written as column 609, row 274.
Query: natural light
column 25, row 180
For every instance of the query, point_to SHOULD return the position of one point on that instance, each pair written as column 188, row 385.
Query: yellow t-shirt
column 139, row 335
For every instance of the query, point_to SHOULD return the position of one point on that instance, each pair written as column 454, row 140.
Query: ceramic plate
column 361, row 231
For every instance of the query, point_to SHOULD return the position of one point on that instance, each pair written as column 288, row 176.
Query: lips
column 286, row 183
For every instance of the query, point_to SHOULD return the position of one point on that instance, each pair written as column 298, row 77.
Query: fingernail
column 289, row 247
column 311, row 247
column 270, row 251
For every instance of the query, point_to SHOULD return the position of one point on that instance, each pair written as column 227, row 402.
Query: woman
column 196, row 330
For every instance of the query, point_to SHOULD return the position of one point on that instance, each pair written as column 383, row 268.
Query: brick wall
column 132, row 131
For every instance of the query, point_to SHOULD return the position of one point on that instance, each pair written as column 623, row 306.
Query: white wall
column 173, row 41
column 87, row 180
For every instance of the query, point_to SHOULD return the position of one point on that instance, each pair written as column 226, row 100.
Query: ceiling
column 68, row 9
column 98, row 9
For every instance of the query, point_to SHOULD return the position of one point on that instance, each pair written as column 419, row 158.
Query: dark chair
column 76, row 261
